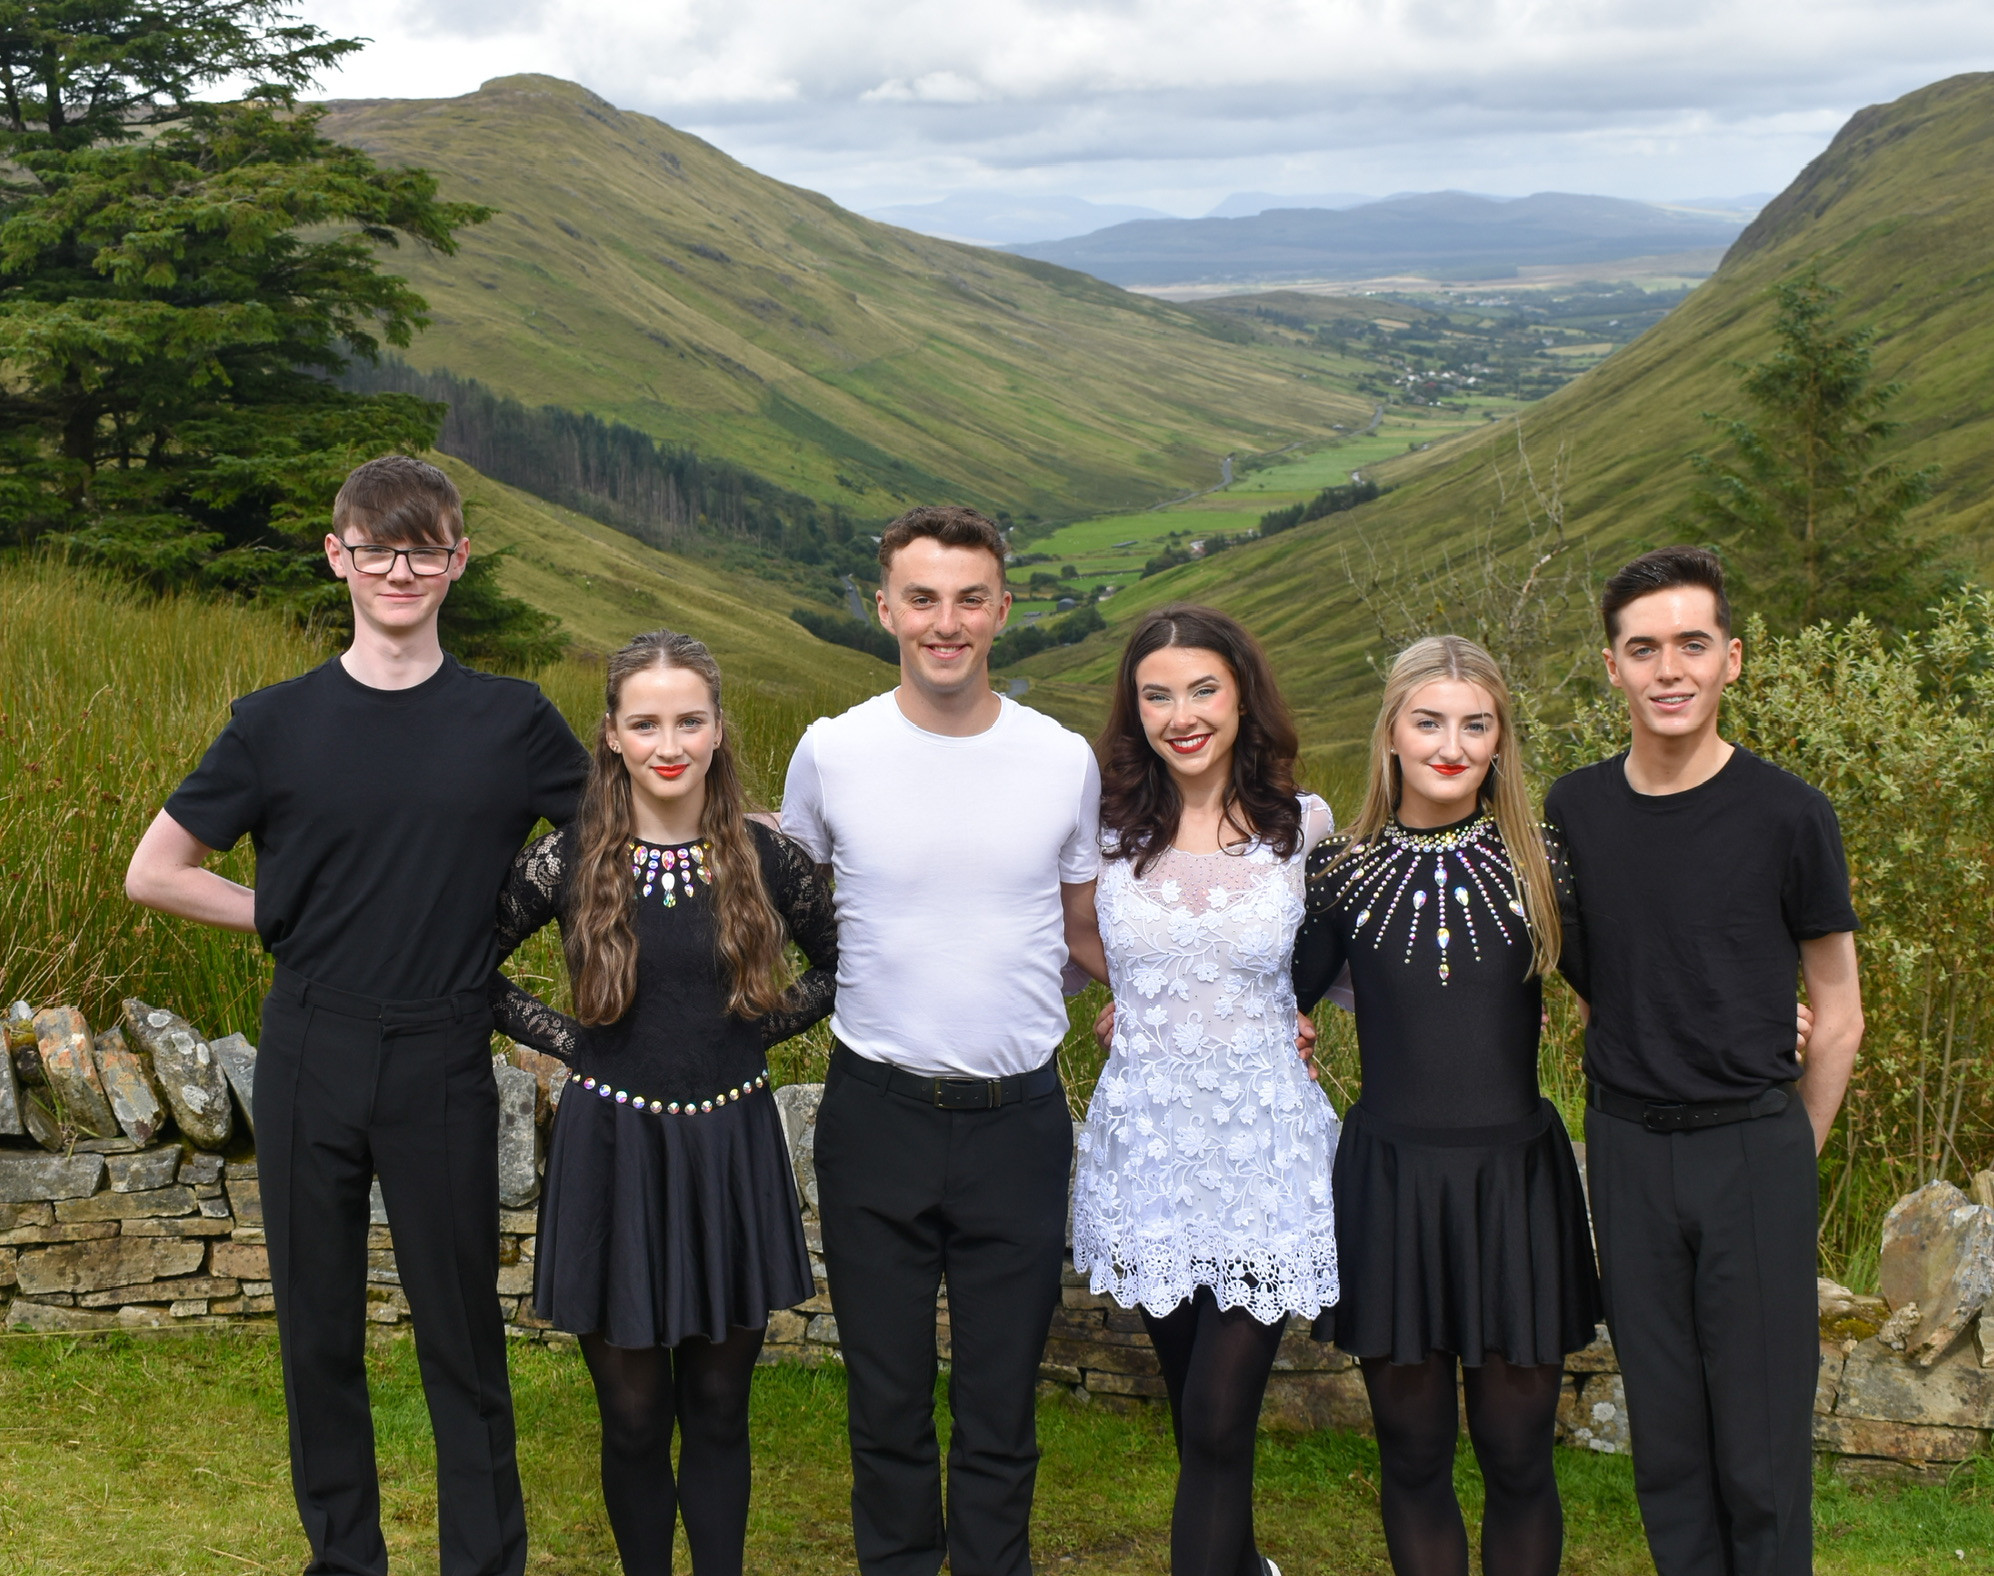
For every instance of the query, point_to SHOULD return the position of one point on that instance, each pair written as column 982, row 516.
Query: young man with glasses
column 1706, row 885
column 386, row 792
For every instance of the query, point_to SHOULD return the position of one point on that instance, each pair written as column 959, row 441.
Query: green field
column 639, row 274
column 166, row 1456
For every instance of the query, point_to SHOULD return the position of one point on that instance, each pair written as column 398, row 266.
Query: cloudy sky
column 1175, row 103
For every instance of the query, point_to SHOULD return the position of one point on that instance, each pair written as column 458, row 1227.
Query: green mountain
column 1898, row 213
column 639, row 274
column 605, row 587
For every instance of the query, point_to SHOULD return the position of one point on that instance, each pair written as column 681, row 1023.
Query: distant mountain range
column 1441, row 235
column 1244, row 205
column 1004, row 218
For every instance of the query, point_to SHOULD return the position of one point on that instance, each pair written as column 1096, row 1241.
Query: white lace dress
column 1206, row 1156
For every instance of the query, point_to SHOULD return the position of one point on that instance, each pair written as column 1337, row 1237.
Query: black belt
column 949, row 1094
column 429, row 1009
column 1679, row 1117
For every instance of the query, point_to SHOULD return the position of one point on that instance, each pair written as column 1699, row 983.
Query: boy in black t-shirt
column 1705, row 880
column 386, row 793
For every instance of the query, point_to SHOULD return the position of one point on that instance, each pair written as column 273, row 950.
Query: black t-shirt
column 1688, row 910
column 384, row 821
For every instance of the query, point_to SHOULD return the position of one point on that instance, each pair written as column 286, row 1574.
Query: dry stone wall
column 129, row 1199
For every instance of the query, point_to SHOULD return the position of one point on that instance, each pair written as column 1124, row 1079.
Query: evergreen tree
column 179, row 281
column 1811, row 520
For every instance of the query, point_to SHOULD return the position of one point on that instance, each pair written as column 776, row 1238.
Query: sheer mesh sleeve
column 528, row 901
column 1571, row 950
column 804, row 902
column 1319, row 943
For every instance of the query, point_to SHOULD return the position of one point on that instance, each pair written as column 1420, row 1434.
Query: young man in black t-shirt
column 1706, row 882
column 386, row 793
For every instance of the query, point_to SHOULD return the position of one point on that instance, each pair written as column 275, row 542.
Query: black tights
column 1215, row 1366
column 1512, row 1413
column 641, row 1391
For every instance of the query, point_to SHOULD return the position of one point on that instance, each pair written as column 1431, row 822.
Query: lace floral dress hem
column 1207, row 1152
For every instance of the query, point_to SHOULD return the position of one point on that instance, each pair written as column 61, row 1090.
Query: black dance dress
column 670, row 1206
column 1460, row 1222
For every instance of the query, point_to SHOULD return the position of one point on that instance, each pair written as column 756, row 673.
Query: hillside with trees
column 1894, row 218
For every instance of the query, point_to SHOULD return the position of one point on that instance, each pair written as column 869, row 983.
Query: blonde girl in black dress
column 669, row 1228
column 1461, row 1228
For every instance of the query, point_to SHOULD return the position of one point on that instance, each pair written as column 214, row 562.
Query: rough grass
column 167, row 1456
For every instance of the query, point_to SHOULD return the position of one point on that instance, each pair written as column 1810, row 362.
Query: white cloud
column 1174, row 102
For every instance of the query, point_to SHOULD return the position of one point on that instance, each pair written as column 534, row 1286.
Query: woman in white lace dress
column 1203, row 1190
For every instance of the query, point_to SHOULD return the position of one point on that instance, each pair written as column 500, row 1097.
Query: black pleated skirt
column 1457, row 1240
column 654, row 1228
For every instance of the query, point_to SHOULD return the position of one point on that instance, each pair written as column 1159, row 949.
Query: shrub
column 856, row 634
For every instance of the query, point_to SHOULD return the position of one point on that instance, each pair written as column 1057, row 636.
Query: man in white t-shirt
column 961, row 830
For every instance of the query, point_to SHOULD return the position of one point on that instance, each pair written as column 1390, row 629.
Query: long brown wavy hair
column 1140, row 804
column 597, row 936
column 1503, row 792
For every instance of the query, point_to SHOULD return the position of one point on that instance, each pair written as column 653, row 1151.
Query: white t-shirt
column 949, row 854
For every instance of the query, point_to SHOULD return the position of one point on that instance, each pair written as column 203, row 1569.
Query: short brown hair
column 1663, row 570
column 398, row 499
column 951, row 524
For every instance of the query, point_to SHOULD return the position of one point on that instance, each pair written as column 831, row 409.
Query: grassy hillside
column 605, row 587
column 640, row 274
column 1898, row 212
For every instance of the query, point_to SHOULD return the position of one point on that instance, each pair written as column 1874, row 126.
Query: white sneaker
column 1272, row 1568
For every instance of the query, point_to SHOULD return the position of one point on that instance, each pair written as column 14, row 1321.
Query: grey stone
column 11, row 1123
column 105, row 1146
column 377, row 1206
column 518, row 1135
column 41, row 1122
column 245, row 1197
column 1953, row 1392
column 549, row 1072
column 1593, row 1414
column 144, row 1171
column 26, row 1177
column 238, row 1059
column 159, row 1202
column 1937, row 1251
column 127, row 1081
column 203, row 1170
column 40, row 1316
column 187, row 1070
column 110, row 1261
column 797, row 1104
column 71, row 1069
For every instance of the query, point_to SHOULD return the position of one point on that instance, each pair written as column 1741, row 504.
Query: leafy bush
column 1331, row 500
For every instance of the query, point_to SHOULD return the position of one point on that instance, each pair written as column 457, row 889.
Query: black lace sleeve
column 804, row 902
column 1319, row 950
column 1571, row 928
column 529, row 899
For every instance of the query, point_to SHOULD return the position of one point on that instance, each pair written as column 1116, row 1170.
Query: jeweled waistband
column 638, row 1102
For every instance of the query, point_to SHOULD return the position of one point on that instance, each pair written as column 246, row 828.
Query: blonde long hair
column 1448, row 657
column 601, row 947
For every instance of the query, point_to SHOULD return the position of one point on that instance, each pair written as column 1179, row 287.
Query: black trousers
column 407, row 1095
column 910, row 1195
column 1707, row 1261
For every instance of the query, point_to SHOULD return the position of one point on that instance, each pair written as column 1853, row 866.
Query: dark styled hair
column 401, row 501
column 1140, row 804
column 1662, row 570
column 600, row 945
column 951, row 524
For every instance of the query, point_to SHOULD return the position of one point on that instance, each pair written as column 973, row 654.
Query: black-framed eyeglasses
column 373, row 558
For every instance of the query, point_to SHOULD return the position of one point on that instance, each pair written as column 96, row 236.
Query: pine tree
column 180, row 280
column 1812, row 522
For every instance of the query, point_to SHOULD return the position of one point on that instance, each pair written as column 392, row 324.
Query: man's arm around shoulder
column 166, row 873
column 1828, row 965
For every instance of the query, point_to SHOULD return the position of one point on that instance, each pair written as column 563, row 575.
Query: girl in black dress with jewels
column 1461, row 1228
column 669, row 1228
